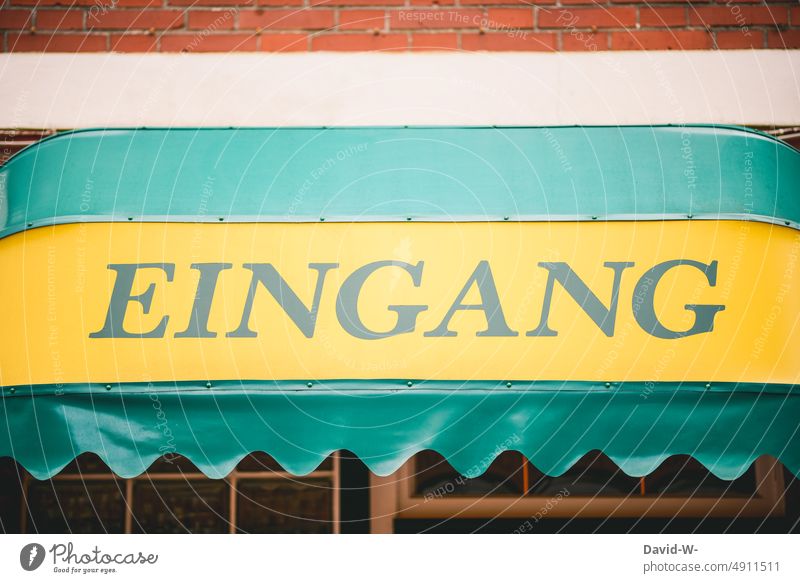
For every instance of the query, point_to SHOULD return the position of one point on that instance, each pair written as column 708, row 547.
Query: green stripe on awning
column 637, row 427
column 423, row 173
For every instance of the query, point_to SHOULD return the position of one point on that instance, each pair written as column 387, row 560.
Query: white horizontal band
column 247, row 89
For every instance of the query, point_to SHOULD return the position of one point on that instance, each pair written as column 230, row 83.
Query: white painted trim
column 248, row 89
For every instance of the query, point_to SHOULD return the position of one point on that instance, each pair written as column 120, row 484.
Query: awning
column 213, row 292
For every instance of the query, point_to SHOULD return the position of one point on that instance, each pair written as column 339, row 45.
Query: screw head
column 309, row 384
column 408, row 218
column 508, row 384
column 708, row 385
column 594, row 217
column 322, row 219
column 505, row 218
column 608, row 385
column 208, row 385
column 409, row 383
column 108, row 387
column 12, row 390
column 690, row 216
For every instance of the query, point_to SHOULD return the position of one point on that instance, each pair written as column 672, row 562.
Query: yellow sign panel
column 617, row 301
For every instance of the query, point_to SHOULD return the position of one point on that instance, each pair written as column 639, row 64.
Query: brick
column 359, row 42
column 661, row 40
column 614, row 17
column 280, row 2
column 583, row 41
column 284, row 42
column 65, row 3
column 738, row 39
column 137, row 20
column 433, row 2
column 435, row 19
column 507, row 2
column 208, row 43
column 290, row 19
column 663, row 16
column 366, row 3
column 57, row 43
column 59, row 19
column 506, row 42
column 510, row 17
column 434, row 41
column 133, row 3
column 95, row 5
column 787, row 39
column 11, row 19
column 133, row 43
column 794, row 16
column 735, row 15
column 362, row 20
column 212, row 19
column 658, row 1
column 195, row 3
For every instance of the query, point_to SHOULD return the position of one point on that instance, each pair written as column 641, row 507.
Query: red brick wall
column 343, row 25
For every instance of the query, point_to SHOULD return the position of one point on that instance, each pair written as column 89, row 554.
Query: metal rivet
column 690, row 215
column 222, row 218
column 608, row 385
column 322, row 219
column 208, row 385
column 309, row 384
column 408, row 218
column 708, row 385
column 508, row 384
column 594, row 217
column 130, row 218
column 30, row 224
column 505, row 218
column 410, row 384
column 108, row 387
column 787, row 223
column 12, row 390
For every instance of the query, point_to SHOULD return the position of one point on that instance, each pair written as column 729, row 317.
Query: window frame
column 768, row 501
column 232, row 479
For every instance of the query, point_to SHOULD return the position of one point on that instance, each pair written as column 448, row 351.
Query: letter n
column 304, row 318
column 604, row 318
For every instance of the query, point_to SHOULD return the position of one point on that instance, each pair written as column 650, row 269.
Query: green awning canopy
column 677, row 185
